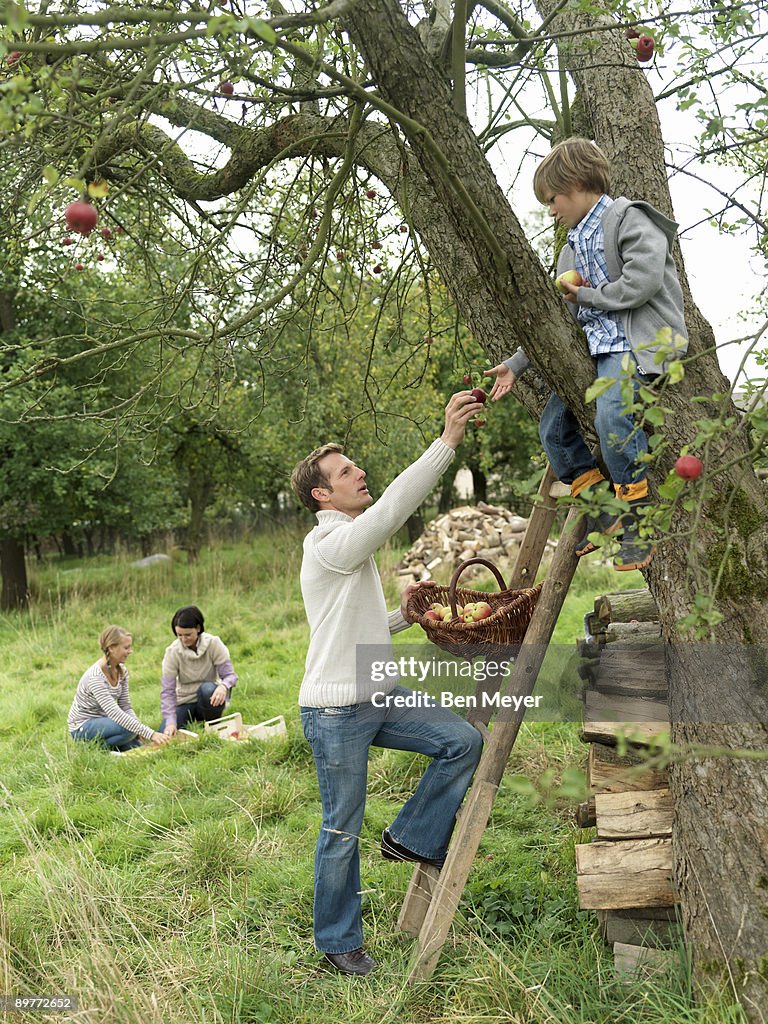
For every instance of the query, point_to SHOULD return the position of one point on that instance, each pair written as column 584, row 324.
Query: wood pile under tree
column 471, row 531
column 625, row 874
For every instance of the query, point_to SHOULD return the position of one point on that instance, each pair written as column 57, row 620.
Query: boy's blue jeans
column 340, row 738
column 621, row 443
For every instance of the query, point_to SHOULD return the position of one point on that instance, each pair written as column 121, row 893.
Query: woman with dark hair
column 197, row 674
column 102, row 708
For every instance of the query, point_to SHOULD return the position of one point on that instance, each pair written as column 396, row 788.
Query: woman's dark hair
column 188, row 617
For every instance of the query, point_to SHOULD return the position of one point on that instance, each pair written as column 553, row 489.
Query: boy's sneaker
column 636, row 551
column 603, row 522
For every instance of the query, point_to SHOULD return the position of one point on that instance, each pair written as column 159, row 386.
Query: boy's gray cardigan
column 643, row 285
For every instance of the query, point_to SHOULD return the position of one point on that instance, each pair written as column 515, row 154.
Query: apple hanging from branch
column 81, row 217
column 643, row 47
column 689, row 467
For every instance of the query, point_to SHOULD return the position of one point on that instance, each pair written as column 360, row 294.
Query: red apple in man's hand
column 689, row 467
column 569, row 277
column 479, row 395
column 81, row 216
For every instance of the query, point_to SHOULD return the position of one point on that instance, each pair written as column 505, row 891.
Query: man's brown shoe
column 356, row 962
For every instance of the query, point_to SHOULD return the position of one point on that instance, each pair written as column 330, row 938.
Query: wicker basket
column 504, row 628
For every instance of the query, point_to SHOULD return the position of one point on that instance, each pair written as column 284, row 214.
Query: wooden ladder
column 433, row 896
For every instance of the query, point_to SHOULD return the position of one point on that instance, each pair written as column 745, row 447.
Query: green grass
column 178, row 887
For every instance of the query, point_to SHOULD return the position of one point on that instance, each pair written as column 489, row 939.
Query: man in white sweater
column 345, row 606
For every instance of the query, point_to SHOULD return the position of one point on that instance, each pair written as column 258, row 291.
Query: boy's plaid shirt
column 602, row 327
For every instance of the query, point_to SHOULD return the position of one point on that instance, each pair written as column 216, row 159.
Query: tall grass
column 178, row 888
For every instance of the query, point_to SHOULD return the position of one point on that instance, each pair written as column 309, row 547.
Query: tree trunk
column 728, row 540
column 415, row 526
column 13, row 569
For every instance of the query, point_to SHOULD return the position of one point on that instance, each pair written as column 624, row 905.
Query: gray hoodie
column 643, row 286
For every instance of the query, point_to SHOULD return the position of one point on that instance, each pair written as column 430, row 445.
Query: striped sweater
column 96, row 698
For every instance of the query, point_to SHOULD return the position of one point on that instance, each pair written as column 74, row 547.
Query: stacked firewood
column 625, row 874
column 471, row 531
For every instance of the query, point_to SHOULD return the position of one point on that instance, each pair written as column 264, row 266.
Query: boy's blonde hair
column 572, row 164
column 307, row 475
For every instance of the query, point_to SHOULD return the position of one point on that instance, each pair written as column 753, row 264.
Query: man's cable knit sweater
column 342, row 591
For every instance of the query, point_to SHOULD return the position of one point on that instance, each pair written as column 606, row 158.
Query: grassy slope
column 178, row 888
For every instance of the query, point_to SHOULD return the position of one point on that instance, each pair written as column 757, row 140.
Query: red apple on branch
column 226, row 88
column 13, row 58
column 81, row 217
column 689, row 467
column 644, row 48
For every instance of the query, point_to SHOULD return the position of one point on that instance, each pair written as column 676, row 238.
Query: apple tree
column 345, row 140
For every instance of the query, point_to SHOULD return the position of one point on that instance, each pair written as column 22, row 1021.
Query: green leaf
column 676, row 372
column 262, row 30
column 600, row 386
column 16, row 16
column 655, row 416
column 76, row 183
column 50, row 174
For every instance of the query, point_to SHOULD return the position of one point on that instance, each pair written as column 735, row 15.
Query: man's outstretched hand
column 460, row 409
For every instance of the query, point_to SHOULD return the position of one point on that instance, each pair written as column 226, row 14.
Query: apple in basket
column 477, row 611
column 234, row 735
column 433, row 616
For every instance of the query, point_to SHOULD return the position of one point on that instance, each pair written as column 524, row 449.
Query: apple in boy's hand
column 689, row 467
column 569, row 277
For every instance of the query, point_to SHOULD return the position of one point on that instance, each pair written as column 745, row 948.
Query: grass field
column 178, row 887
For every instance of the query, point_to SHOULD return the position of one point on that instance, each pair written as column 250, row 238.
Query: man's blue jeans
column 200, row 710
column 621, row 443
column 340, row 738
column 108, row 732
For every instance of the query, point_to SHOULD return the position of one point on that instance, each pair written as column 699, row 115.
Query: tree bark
column 13, row 569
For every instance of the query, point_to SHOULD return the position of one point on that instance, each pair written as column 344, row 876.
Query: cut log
column 633, row 962
column 624, row 670
column 626, row 605
column 618, row 876
column 635, row 815
column 655, row 926
column 633, row 632
column 606, row 716
column 607, row 772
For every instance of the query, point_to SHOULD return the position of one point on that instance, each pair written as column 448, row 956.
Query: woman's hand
column 219, row 696
column 159, row 738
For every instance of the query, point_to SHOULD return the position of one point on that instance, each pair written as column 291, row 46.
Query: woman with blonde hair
column 102, row 708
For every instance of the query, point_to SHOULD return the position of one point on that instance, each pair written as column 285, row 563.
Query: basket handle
column 460, row 569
